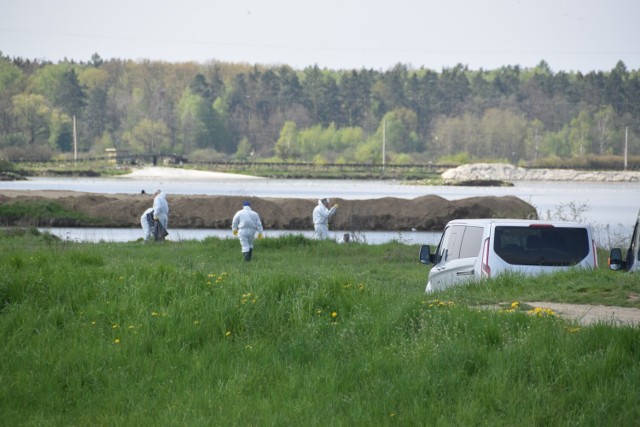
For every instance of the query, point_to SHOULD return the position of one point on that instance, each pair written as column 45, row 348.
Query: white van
column 631, row 262
column 473, row 249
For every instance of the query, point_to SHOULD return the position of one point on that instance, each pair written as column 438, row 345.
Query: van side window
column 442, row 246
column 550, row 246
column 455, row 242
column 471, row 242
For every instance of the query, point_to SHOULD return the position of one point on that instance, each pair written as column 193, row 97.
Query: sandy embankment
column 178, row 173
column 426, row 213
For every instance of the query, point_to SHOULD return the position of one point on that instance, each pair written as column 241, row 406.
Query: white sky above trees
column 570, row 35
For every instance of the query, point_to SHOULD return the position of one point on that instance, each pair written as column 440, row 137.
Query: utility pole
column 626, row 145
column 384, row 141
column 75, row 140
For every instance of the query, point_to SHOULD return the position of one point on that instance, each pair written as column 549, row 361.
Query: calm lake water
column 611, row 208
column 176, row 235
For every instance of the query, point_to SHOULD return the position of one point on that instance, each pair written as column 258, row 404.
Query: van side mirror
column 425, row 254
column 615, row 260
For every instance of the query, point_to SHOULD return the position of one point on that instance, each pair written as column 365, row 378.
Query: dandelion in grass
column 248, row 297
column 155, row 314
column 542, row 312
column 361, row 287
column 114, row 326
column 116, row 341
column 131, row 327
column 512, row 308
column 334, row 314
column 196, row 322
column 437, row 303
column 227, row 334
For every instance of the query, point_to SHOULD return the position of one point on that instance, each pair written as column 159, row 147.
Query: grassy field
column 308, row 333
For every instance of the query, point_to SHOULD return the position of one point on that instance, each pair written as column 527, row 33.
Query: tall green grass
column 307, row 333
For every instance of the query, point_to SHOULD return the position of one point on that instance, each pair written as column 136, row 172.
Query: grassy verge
column 41, row 212
column 307, row 333
column 82, row 168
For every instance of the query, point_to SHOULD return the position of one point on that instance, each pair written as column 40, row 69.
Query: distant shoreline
column 507, row 172
column 470, row 172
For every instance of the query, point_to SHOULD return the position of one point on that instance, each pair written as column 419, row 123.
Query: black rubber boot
column 250, row 254
column 247, row 256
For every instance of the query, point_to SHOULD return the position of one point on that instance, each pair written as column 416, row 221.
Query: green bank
column 307, row 333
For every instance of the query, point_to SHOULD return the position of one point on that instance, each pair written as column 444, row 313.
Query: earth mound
column 425, row 213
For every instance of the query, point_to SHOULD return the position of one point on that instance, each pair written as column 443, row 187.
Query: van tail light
column 595, row 254
column 484, row 267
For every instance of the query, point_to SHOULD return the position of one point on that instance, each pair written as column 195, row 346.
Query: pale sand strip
column 176, row 173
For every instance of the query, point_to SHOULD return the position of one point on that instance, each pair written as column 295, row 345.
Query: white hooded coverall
column 161, row 209
column 321, row 217
column 248, row 223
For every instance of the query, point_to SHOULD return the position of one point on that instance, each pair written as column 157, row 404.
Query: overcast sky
column 571, row 35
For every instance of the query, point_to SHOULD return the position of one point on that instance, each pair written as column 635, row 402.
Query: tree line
column 227, row 111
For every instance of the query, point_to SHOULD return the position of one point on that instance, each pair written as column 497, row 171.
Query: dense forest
column 241, row 112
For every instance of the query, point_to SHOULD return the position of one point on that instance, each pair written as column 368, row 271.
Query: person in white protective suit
column 161, row 208
column 321, row 215
column 147, row 226
column 246, row 223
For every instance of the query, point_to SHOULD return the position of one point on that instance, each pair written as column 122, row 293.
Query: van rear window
column 549, row 246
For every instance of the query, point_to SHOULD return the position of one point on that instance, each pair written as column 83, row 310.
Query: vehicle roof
column 481, row 222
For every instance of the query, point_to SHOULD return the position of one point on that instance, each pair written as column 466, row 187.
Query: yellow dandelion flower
column 227, row 334
column 93, row 323
column 154, row 313
column 116, row 341
column 542, row 312
column 114, row 326
column 515, row 305
column 131, row 327
column 334, row 314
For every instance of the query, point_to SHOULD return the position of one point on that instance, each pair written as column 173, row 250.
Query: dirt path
column 592, row 314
